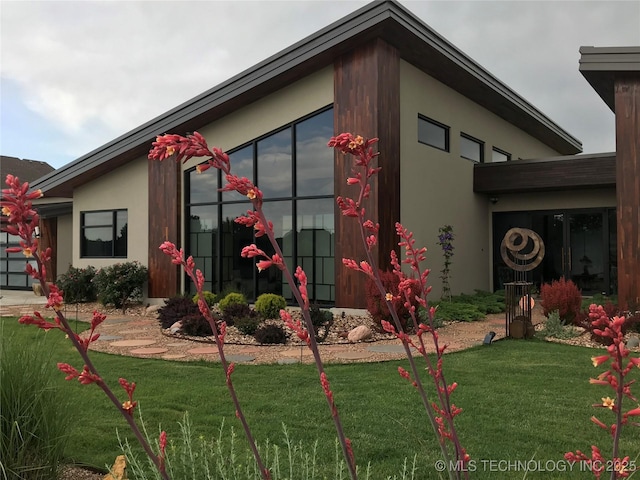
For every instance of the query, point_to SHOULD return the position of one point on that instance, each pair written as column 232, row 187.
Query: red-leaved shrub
column 377, row 306
column 561, row 295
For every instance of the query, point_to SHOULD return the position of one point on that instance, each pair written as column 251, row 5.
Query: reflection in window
column 314, row 173
column 274, row 165
column 296, row 177
column 433, row 133
column 103, row 234
column 471, row 148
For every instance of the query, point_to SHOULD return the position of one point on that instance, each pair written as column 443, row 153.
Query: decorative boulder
column 360, row 333
column 152, row 309
column 175, row 328
column 633, row 342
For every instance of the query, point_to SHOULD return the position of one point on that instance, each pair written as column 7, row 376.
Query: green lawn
column 521, row 400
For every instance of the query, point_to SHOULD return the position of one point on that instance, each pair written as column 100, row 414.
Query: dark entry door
column 580, row 245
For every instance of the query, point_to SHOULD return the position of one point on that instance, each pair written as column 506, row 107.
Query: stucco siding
column 269, row 113
column 437, row 186
column 123, row 188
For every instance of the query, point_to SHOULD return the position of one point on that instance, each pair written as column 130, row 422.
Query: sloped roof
column 600, row 66
column 25, row 170
column 416, row 42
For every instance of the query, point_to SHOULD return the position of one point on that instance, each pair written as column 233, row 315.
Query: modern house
column 12, row 273
column 457, row 146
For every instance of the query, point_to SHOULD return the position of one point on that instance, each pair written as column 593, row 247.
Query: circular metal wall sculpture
column 522, row 249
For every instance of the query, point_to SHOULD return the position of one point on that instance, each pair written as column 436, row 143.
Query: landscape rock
column 360, row 333
column 633, row 342
column 152, row 309
column 176, row 327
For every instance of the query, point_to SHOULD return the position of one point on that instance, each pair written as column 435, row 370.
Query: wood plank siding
column 366, row 87
column 164, row 224
column 627, row 107
column 519, row 176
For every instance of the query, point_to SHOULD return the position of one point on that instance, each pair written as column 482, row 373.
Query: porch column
column 627, row 109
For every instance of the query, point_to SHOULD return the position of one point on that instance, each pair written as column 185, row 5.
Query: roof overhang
column 575, row 172
column 601, row 65
column 416, row 42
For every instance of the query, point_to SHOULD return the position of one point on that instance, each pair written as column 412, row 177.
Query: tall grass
column 34, row 416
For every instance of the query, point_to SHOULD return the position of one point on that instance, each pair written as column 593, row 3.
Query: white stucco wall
column 437, row 186
column 64, row 243
column 123, row 188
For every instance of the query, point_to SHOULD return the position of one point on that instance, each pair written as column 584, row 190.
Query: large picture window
column 294, row 168
column 103, row 234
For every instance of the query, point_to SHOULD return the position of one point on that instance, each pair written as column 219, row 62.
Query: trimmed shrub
column 233, row 298
column 321, row 320
column 457, row 311
column 210, row 298
column 175, row 309
column 377, row 306
column 248, row 325
column 77, row 285
column 235, row 311
column 269, row 305
column 485, row 302
column 554, row 328
column 195, row 325
column 561, row 295
column 120, row 283
column 271, row 334
column 35, row 421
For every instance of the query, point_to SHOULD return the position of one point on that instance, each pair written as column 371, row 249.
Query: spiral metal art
column 522, row 250
column 514, row 249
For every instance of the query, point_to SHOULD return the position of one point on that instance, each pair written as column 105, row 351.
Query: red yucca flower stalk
column 441, row 412
column 615, row 377
column 22, row 222
column 194, row 145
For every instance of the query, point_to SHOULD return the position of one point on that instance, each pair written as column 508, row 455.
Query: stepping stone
column 115, row 320
column 203, row 351
column 386, row 348
column 353, row 355
column 287, row 361
column 135, row 330
column 108, row 338
column 295, row 352
column 148, row 351
column 133, row 343
column 240, row 358
column 249, row 351
column 142, row 323
column 173, row 356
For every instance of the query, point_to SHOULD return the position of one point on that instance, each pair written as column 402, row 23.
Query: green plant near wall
column 120, row 284
column 34, row 420
column 445, row 240
column 77, row 284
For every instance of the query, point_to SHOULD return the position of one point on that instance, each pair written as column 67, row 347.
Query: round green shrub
column 209, row 297
column 269, row 305
column 232, row 298
column 247, row 325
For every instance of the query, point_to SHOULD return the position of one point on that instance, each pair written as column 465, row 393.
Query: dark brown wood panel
column 521, row 176
column 164, row 224
column 367, row 103
column 627, row 102
column 49, row 239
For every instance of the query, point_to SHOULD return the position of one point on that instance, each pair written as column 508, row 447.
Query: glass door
column 585, row 256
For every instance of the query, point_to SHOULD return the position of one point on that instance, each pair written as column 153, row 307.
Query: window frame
column 501, row 152
column 114, row 233
column 445, row 128
column 475, row 140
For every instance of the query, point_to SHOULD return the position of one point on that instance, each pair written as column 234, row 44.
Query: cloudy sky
column 75, row 75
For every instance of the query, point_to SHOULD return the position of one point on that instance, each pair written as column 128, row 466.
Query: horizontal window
column 433, row 133
column 471, row 148
column 498, row 155
column 103, row 234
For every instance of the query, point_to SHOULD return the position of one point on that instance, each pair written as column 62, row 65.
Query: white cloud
column 98, row 69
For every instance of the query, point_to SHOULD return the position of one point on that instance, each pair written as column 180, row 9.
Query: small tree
column 445, row 240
